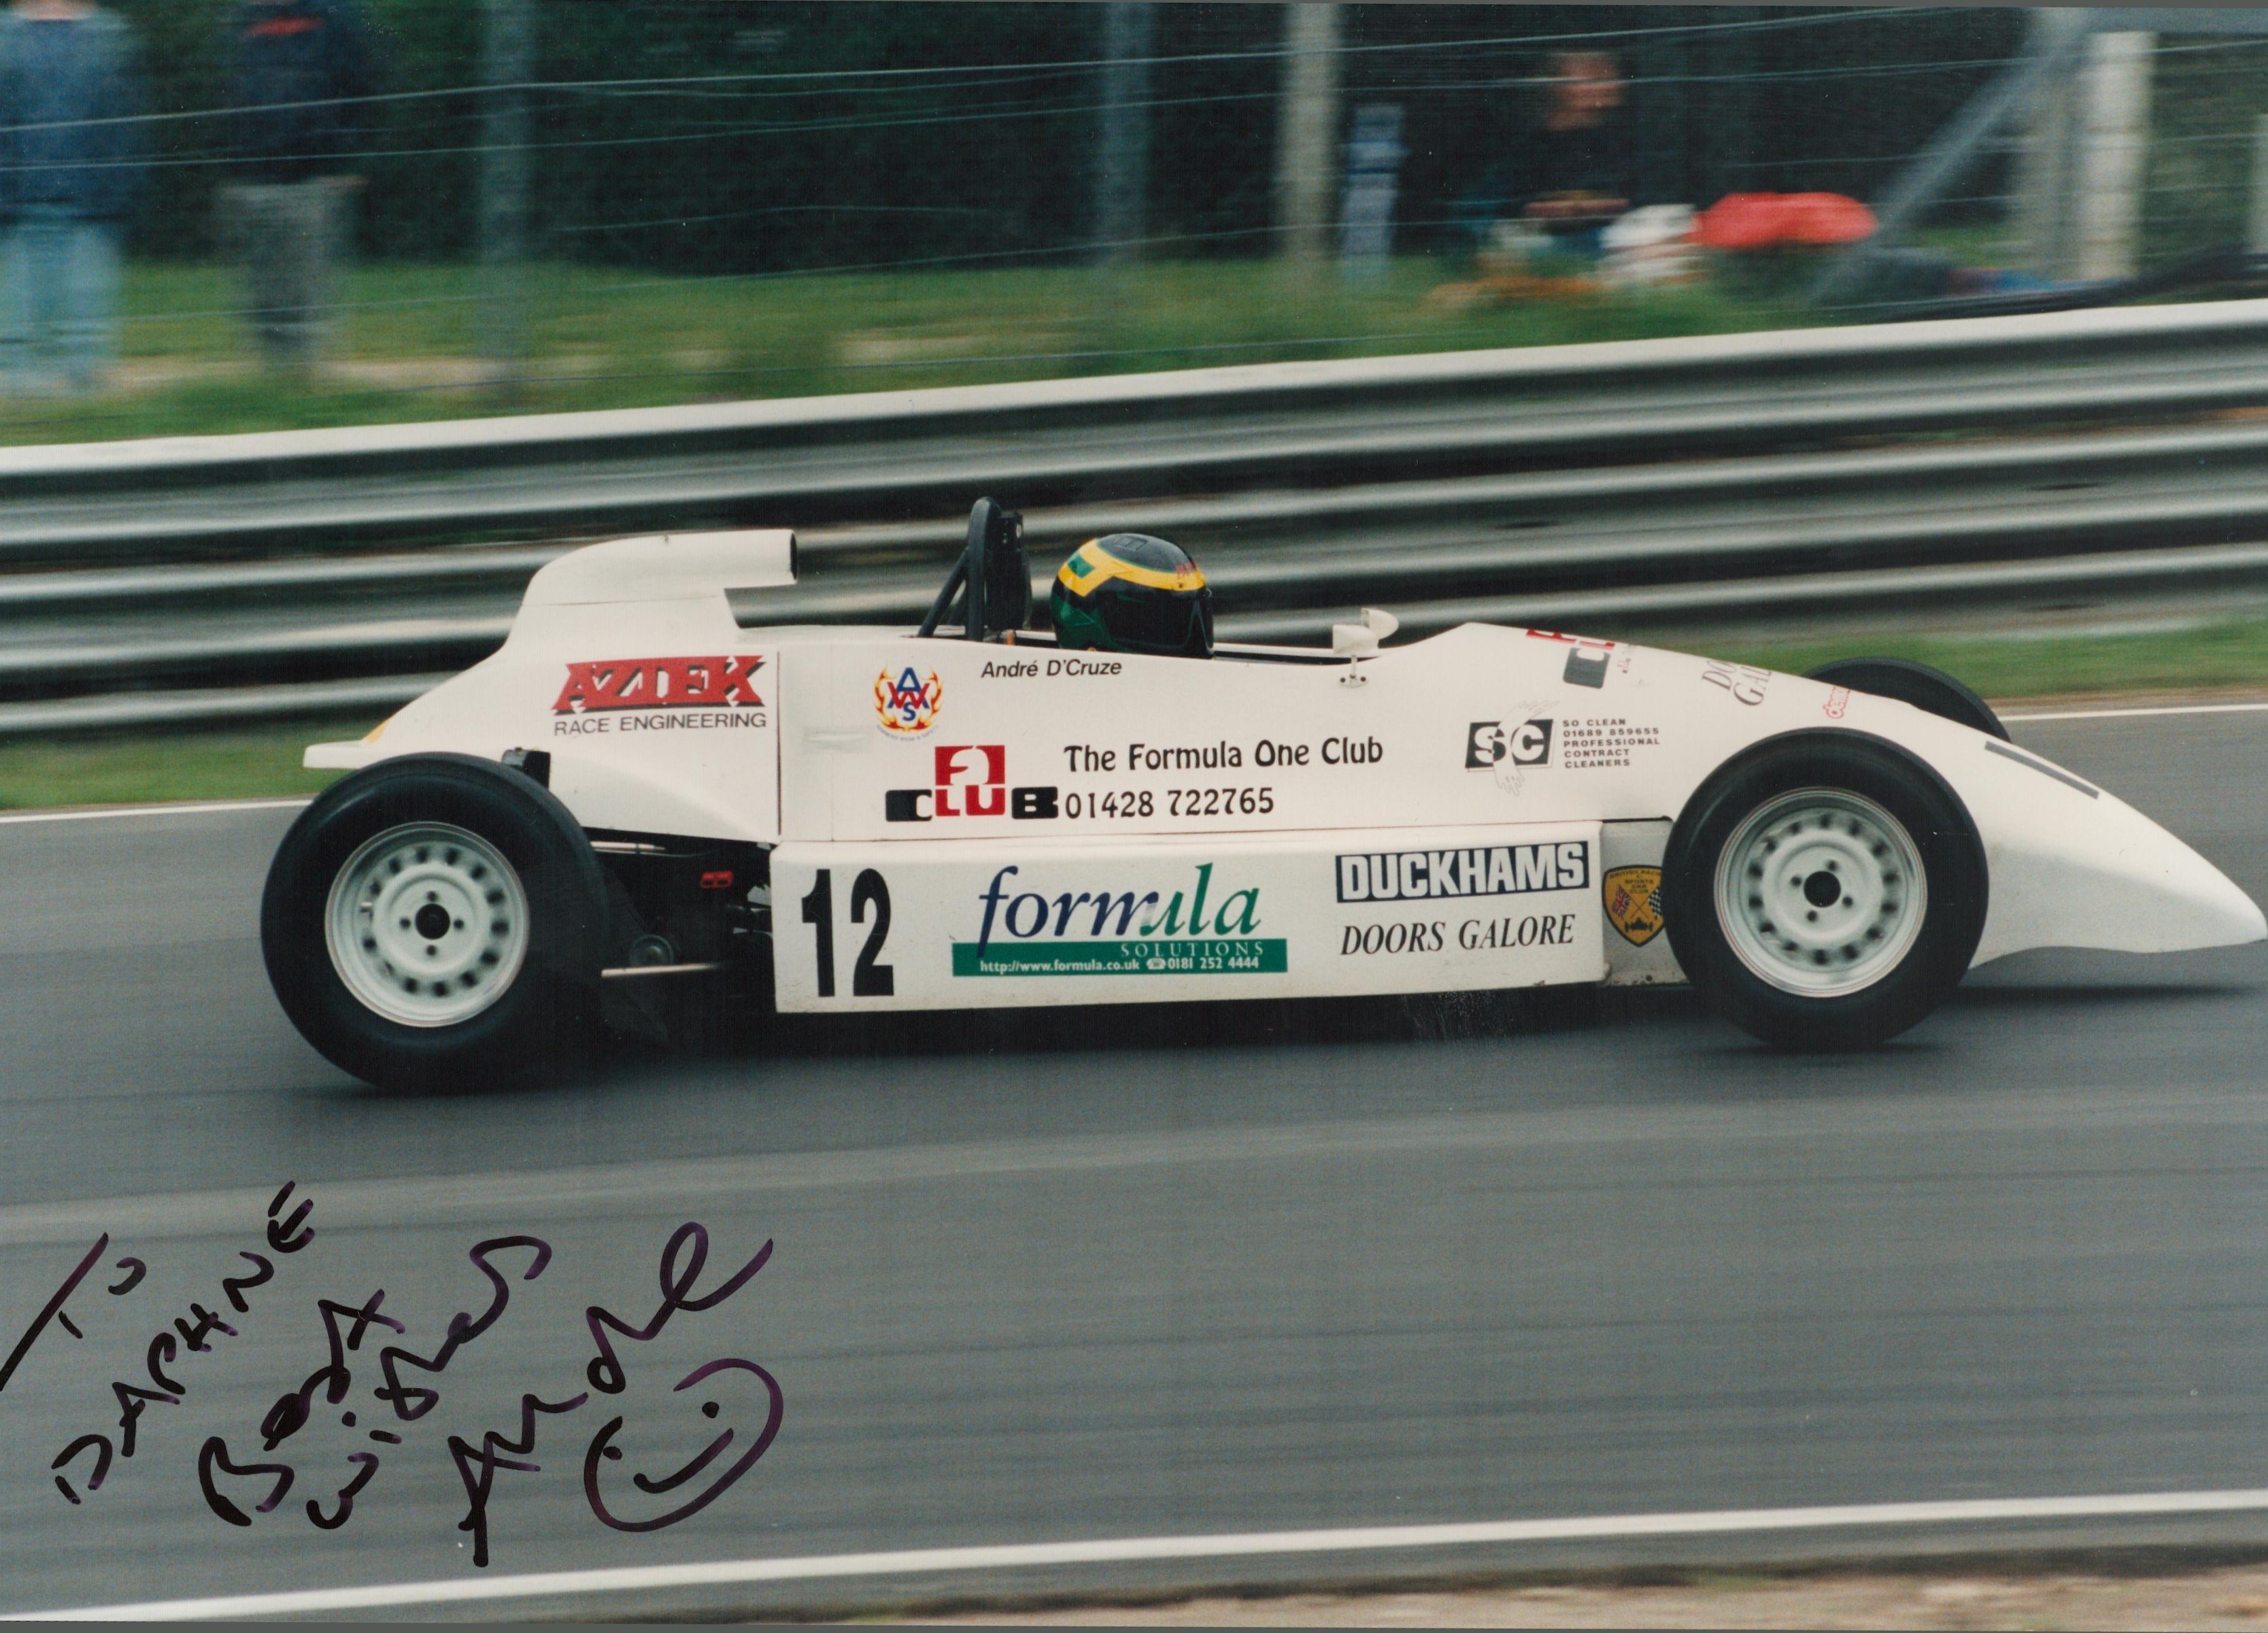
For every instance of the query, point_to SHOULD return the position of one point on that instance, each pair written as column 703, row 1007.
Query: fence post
column 1306, row 132
column 1728, row 119
column 510, row 63
column 2045, row 176
column 2114, row 156
column 2057, row 37
column 1130, row 32
column 2079, row 191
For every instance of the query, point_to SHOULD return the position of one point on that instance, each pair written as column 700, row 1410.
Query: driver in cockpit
column 1130, row 592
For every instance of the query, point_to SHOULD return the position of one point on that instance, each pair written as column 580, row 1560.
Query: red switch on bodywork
column 721, row 880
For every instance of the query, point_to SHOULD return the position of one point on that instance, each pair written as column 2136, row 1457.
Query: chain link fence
column 577, row 204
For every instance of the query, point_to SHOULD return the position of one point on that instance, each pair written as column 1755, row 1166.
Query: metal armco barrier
column 1767, row 478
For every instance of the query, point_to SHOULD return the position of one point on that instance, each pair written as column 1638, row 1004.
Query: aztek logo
column 1488, row 744
column 659, row 683
column 971, row 781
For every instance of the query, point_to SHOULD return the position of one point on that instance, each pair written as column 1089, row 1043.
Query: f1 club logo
column 659, row 683
column 971, row 781
column 1488, row 744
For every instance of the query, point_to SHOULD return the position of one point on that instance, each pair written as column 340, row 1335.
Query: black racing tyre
column 1932, row 691
column 1824, row 890
column 436, row 920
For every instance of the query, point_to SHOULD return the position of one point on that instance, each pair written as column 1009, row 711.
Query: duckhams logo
column 1745, row 681
column 908, row 706
column 1485, row 871
column 971, row 781
column 1196, row 931
column 659, row 683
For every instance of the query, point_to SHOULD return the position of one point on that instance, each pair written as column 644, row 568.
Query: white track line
column 2120, row 714
column 112, row 813
column 1364, row 1539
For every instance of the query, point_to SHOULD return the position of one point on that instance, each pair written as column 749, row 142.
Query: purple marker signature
column 346, row 1327
column 284, row 1236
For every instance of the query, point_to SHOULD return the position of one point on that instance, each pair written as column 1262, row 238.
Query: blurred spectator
column 1576, row 169
column 69, row 169
column 301, row 67
column 1579, row 170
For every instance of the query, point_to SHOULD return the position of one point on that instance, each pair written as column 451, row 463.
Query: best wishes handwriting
column 346, row 1327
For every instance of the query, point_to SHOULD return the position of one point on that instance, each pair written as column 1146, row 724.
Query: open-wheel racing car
column 829, row 820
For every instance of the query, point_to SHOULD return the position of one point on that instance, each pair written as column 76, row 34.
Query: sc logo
column 1488, row 744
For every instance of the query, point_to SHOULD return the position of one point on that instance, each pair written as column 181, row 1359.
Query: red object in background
column 717, row 881
column 1763, row 220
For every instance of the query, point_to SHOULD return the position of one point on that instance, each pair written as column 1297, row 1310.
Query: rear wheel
column 1824, row 891
column 436, row 920
column 427, row 924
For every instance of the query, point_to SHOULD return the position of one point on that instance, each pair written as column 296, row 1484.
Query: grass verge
column 263, row 761
column 2031, row 664
column 599, row 338
column 249, row 763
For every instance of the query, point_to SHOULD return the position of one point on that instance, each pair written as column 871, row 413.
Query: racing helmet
column 1129, row 593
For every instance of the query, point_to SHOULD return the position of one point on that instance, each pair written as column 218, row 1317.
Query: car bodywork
column 945, row 823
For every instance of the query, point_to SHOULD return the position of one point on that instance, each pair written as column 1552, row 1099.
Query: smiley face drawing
column 604, row 1450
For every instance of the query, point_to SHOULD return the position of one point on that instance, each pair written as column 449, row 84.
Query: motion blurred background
column 688, row 200
column 746, row 213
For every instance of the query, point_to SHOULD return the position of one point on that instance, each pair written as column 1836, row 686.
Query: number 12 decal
column 868, row 979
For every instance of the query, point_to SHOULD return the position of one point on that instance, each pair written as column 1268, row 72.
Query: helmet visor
column 1162, row 623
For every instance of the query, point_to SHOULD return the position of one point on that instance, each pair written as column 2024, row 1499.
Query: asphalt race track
column 1212, row 1270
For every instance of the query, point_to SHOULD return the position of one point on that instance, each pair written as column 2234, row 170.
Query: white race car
column 635, row 790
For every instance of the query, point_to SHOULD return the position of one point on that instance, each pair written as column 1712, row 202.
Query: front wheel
column 1932, row 691
column 1824, row 891
column 436, row 920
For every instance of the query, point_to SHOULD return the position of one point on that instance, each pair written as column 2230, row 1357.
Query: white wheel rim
column 1774, row 879
column 427, row 924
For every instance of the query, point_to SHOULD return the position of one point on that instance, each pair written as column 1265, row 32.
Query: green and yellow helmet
column 1129, row 593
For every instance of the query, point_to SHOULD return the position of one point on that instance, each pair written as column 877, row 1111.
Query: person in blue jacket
column 70, row 169
column 303, row 70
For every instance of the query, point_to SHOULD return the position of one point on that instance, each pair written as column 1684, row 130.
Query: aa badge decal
column 1633, row 897
column 907, row 706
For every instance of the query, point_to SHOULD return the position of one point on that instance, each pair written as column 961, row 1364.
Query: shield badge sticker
column 1633, row 900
